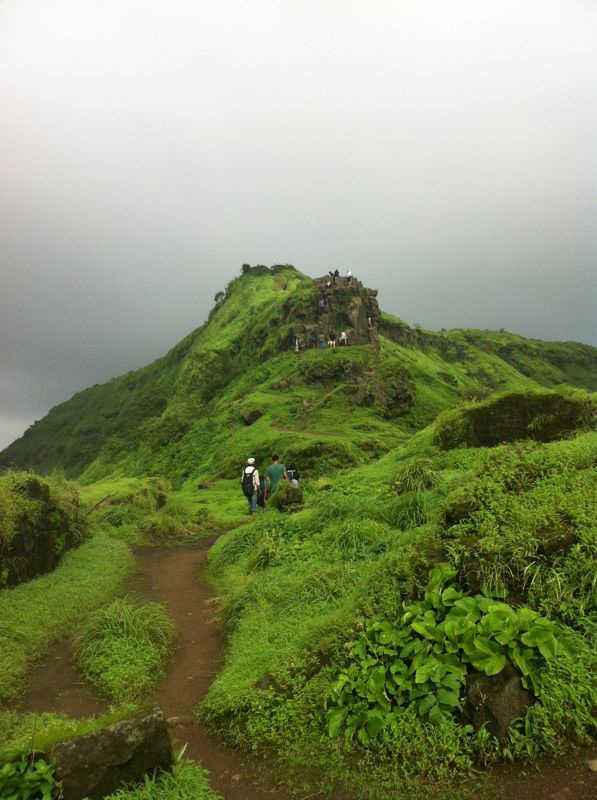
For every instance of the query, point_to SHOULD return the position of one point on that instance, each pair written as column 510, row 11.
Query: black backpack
column 248, row 488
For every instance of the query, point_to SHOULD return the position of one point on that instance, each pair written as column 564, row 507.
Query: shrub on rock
column 287, row 497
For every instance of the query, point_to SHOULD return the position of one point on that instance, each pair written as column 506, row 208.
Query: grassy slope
column 35, row 614
column 298, row 588
column 180, row 416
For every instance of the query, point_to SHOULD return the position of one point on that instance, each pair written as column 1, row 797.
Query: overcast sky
column 445, row 150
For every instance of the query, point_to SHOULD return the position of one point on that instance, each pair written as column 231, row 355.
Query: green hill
column 426, row 610
column 234, row 386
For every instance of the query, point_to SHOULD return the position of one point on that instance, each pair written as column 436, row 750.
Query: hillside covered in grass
column 234, row 386
column 442, row 556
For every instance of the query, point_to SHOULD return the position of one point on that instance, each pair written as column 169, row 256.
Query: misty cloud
column 444, row 151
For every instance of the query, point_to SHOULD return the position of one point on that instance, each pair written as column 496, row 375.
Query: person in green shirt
column 274, row 474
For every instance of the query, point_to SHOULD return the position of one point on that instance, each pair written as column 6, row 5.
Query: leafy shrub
column 27, row 778
column 123, row 647
column 422, row 660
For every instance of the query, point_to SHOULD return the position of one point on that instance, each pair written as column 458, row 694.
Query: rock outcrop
column 38, row 523
column 95, row 765
column 496, row 701
column 511, row 416
column 345, row 305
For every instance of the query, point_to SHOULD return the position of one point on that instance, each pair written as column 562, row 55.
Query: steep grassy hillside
column 234, row 386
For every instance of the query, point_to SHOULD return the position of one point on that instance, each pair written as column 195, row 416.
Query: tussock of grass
column 187, row 781
column 35, row 614
column 123, row 648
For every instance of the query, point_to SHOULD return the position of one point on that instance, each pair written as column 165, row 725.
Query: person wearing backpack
column 293, row 476
column 250, row 484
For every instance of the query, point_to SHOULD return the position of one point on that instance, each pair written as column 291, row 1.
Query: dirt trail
column 173, row 577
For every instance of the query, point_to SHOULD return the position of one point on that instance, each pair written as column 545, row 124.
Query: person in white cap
column 250, row 484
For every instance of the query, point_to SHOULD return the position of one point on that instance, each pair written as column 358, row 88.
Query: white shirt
column 349, row 274
column 255, row 475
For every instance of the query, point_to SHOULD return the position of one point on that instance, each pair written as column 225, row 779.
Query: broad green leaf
column 375, row 723
column 448, row 698
column 335, row 720
column 436, row 716
column 424, row 628
column 450, row 596
column 425, row 704
column 363, row 736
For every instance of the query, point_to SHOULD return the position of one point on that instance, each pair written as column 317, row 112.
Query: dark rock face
column 95, row 765
column 347, row 306
column 496, row 700
column 542, row 416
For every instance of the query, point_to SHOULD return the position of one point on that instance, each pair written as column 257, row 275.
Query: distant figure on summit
column 349, row 276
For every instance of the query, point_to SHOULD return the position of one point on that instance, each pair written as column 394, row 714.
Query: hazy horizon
column 444, row 152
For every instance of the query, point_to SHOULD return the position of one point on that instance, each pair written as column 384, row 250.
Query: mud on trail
column 174, row 577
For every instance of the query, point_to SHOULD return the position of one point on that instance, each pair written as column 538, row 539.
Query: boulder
column 96, row 764
column 250, row 415
column 496, row 700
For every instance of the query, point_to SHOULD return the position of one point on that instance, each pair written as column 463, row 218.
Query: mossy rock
column 38, row 523
column 510, row 417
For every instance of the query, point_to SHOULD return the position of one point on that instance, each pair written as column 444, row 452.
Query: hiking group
column 257, row 488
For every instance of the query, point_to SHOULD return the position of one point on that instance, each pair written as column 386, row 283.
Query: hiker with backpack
column 293, row 476
column 250, row 484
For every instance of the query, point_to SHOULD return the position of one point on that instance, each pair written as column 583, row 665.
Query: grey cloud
column 445, row 151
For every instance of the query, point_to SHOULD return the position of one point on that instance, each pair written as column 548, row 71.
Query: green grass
column 24, row 733
column 35, row 614
column 187, row 781
column 298, row 587
column 123, row 648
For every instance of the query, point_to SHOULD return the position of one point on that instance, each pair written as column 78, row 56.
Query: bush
column 286, row 497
